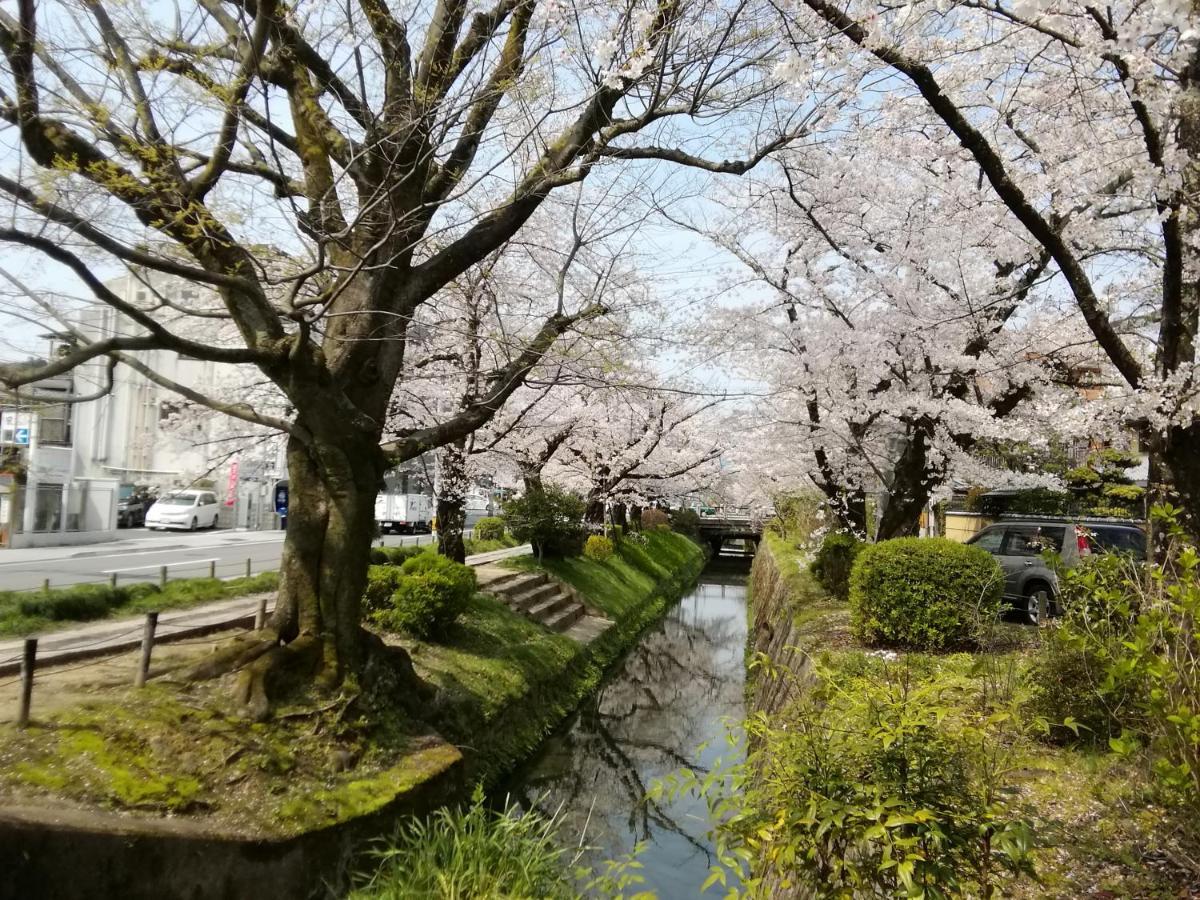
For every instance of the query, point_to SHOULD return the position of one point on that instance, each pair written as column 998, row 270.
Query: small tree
column 550, row 519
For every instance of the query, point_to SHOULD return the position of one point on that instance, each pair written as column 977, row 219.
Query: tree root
column 241, row 651
column 275, row 672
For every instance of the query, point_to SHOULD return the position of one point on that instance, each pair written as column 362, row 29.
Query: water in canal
column 665, row 707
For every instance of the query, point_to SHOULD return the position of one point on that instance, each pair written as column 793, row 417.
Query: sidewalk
column 108, row 636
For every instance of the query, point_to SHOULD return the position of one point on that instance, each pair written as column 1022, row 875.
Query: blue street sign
column 21, row 436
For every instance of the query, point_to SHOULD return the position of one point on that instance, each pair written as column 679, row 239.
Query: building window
column 54, row 424
column 47, row 508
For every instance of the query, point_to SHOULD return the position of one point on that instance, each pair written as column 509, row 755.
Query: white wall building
column 77, row 459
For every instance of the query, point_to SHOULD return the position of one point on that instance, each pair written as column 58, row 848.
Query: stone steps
column 534, row 595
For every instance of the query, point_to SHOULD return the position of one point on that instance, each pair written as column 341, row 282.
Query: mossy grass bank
column 180, row 754
column 1094, row 827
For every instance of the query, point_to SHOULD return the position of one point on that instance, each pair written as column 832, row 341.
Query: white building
column 77, row 459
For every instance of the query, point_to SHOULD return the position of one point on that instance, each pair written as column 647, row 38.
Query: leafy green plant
column 877, row 781
column 472, row 852
column 654, row 518
column 923, row 593
column 598, row 548
column 382, row 582
column 395, row 556
column 833, row 562
column 489, row 528
column 1079, row 691
column 686, row 521
column 429, row 593
column 550, row 519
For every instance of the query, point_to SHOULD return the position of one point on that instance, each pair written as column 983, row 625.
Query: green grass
column 26, row 612
column 472, row 852
column 504, row 543
column 621, row 584
column 508, row 681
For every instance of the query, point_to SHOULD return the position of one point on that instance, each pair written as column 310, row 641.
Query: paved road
column 139, row 555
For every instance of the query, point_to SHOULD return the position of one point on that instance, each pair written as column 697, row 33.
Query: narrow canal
column 665, row 707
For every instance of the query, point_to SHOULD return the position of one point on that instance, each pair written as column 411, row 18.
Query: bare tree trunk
column 595, row 508
column 451, row 500
column 909, row 492
column 619, row 517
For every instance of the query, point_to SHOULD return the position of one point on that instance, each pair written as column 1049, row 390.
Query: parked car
column 184, row 509
column 132, row 504
column 1030, row 584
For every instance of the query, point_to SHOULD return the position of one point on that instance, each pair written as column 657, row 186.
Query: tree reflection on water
column 665, row 708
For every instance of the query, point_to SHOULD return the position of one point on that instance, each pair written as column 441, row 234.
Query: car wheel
column 195, row 524
column 1038, row 602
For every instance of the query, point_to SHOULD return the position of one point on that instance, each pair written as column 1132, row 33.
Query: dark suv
column 1018, row 544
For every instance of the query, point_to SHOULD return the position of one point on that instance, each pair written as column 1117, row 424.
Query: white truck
column 404, row 513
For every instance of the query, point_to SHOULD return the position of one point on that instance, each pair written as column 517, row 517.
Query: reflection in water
column 664, row 708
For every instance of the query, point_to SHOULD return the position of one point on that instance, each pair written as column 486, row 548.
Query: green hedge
column 923, row 593
column 424, row 597
column 395, row 556
column 489, row 528
column 834, row 561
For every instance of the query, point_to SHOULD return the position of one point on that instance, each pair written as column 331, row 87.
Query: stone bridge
column 729, row 524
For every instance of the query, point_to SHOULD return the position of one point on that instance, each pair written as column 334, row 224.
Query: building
column 64, row 465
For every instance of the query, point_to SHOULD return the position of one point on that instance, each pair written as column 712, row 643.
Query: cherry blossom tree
column 327, row 170
column 1060, row 108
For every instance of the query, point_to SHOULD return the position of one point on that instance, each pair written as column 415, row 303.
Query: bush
column 430, row 592
column 395, row 556
column 550, row 519
column 382, row 582
column 876, row 785
column 489, row 528
column 598, row 548
column 654, row 518
column 923, row 593
column 431, row 564
column 833, row 562
column 80, row 603
column 686, row 521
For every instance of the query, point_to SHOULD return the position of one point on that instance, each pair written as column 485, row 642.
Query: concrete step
column 547, row 608
column 561, row 621
column 532, row 597
column 517, row 584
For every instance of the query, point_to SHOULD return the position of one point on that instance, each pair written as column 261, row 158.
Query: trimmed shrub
column 598, row 548
column 489, row 528
column 654, row 518
column 686, row 521
column 395, row 556
column 923, row 593
column 382, row 582
column 430, row 593
column 550, row 519
column 833, row 561
column 430, row 564
column 79, row 603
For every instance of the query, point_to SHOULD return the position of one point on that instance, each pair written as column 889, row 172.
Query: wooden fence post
column 260, row 617
column 28, row 662
column 147, row 646
column 162, row 577
column 247, row 567
column 112, row 579
column 212, row 568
